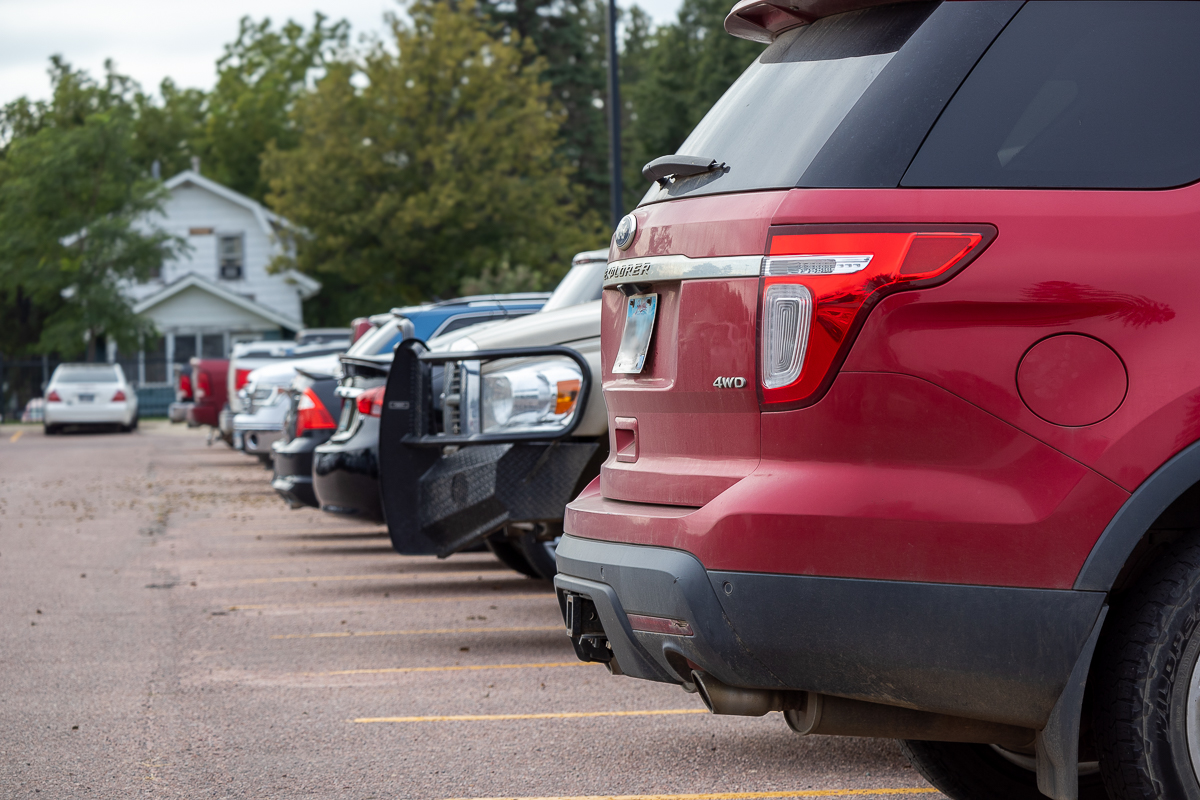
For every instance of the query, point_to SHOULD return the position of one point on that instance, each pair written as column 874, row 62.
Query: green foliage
column 261, row 76
column 568, row 37
column 171, row 132
column 73, row 208
column 503, row 278
column 444, row 164
column 679, row 71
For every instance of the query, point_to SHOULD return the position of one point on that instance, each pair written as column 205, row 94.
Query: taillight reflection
column 370, row 402
column 819, row 282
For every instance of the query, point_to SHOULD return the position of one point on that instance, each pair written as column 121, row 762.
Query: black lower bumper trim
column 296, row 490
column 990, row 653
column 459, row 498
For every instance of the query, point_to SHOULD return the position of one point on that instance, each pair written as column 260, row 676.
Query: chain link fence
column 22, row 380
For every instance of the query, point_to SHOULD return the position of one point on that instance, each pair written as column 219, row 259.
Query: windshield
column 380, row 340
column 101, row 373
column 583, row 284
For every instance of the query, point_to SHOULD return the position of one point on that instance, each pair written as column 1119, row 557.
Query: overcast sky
column 154, row 39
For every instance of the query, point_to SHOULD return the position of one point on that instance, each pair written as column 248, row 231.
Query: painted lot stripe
column 385, row 576
column 304, row 532
column 350, row 603
column 456, row 668
column 567, row 715
column 15, row 436
column 728, row 795
column 420, row 632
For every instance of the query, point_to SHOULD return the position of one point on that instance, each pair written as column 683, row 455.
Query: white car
column 89, row 394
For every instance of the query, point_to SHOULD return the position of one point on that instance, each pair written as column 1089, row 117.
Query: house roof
column 191, row 280
column 268, row 220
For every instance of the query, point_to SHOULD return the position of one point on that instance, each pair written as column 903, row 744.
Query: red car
column 904, row 406
column 208, row 391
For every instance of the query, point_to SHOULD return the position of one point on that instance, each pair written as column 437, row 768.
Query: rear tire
column 1146, row 684
column 978, row 772
column 510, row 555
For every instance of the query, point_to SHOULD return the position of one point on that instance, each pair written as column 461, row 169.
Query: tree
column 444, row 165
column 172, row 132
column 75, row 208
column 259, row 80
column 568, row 36
column 684, row 69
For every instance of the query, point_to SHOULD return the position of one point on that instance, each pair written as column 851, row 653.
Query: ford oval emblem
column 626, row 230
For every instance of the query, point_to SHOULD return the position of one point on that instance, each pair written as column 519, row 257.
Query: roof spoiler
column 763, row 20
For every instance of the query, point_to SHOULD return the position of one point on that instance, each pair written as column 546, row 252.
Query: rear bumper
column 462, row 497
column 258, row 442
column 178, row 412
column 293, row 470
column 988, row 653
column 346, row 475
column 258, row 431
column 204, row 414
column 89, row 414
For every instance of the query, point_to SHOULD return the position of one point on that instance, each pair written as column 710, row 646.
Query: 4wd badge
column 729, row 383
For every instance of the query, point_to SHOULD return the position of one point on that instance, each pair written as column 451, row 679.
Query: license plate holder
column 640, row 311
column 86, row 398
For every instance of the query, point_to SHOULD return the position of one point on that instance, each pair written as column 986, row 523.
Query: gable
column 194, row 307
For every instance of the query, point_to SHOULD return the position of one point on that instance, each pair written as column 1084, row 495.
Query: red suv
column 903, row 400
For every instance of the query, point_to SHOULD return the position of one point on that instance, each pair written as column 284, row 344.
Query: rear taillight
column 311, row 414
column 819, row 282
column 119, row 397
column 203, row 386
column 358, row 327
column 53, row 397
column 184, row 392
column 370, row 402
column 239, row 378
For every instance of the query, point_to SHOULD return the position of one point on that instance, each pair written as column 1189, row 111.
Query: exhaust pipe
column 720, row 698
column 812, row 713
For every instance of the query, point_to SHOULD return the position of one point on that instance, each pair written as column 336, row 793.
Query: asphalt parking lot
column 170, row 629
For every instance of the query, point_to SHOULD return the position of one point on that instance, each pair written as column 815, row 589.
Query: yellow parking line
column 303, row 532
column 348, row 634
column 568, row 715
column 351, row 603
column 727, row 795
column 386, row 576
column 15, row 436
column 464, row 668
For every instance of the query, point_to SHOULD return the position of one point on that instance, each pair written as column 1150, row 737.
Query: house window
column 230, row 252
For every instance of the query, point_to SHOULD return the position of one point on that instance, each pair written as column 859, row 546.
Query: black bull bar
column 438, row 502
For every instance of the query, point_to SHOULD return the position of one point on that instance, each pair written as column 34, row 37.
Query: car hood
column 566, row 325
column 281, row 373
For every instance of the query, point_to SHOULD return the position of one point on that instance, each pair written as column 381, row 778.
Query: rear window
column 582, row 284
column 106, row 373
column 1076, row 94
column 843, row 102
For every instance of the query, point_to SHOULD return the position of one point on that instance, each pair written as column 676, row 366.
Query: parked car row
column 328, row 417
column 880, row 411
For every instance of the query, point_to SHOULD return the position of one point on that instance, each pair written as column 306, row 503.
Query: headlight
column 529, row 397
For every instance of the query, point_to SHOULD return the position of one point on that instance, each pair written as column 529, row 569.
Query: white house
column 219, row 292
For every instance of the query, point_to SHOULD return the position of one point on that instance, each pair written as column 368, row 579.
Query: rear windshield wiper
column 664, row 168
